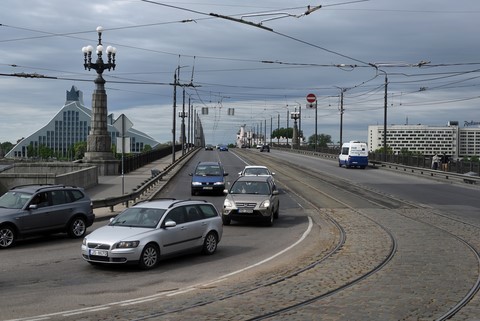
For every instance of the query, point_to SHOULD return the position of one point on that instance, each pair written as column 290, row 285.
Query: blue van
column 208, row 177
column 353, row 154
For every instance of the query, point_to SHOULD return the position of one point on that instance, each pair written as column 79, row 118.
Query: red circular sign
column 311, row 98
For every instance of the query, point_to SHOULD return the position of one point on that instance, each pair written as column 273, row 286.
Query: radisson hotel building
column 452, row 139
column 71, row 125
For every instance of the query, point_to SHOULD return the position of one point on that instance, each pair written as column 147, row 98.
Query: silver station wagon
column 153, row 229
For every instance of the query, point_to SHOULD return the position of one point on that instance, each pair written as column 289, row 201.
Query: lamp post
column 99, row 141
column 183, row 114
column 288, row 116
column 295, row 116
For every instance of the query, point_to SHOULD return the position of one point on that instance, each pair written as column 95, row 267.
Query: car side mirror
column 275, row 192
column 225, row 174
column 190, row 174
column 170, row 223
column 32, row 206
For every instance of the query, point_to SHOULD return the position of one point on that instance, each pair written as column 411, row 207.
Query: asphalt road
column 47, row 275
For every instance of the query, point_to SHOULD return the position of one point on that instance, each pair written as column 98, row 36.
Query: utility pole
column 385, row 119
column 174, row 112
column 341, row 116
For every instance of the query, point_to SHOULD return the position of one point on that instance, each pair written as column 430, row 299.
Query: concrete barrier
column 81, row 175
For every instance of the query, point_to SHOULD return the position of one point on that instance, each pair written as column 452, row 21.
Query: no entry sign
column 311, row 98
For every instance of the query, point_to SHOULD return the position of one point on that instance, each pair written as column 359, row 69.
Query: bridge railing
column 457, row 170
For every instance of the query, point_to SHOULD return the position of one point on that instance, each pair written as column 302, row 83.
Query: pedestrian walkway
column 117, row 185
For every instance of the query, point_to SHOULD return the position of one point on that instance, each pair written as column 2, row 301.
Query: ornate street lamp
column 295, row 140
column 99, row 141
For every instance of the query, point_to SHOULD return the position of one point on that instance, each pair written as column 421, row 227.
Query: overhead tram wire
column 266, row 28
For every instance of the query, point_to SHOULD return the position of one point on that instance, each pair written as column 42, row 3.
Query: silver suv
column 251, row 198
column 41, row 209
column 152, row 229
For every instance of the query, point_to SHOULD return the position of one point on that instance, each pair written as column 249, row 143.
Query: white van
column 353, row 154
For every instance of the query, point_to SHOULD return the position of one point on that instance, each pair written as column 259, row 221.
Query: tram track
column 362, row 246
column 428, row 216
column 331, row 290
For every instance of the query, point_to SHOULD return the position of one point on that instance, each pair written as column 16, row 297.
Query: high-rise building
column 71, row 125
column 428, row 140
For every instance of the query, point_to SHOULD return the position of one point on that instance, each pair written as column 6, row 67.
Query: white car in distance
column 256, row 170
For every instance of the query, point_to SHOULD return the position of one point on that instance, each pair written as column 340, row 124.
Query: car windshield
column 13, row 199
column 256, row 171
column 244, row 187
column 138, row 217
column 208, row 170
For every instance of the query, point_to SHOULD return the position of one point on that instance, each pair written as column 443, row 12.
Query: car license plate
column 98, row 253
column 207, row 187
column 245, row 210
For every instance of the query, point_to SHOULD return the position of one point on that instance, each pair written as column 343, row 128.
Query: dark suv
column 41, row 209
column 208, row 177
column 265, row 148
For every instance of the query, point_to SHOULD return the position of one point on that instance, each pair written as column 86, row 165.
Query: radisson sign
column 471, row 123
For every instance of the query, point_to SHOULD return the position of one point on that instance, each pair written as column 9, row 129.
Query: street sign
column 122, row 124
column 311, row 98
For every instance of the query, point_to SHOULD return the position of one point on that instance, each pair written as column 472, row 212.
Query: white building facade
column 428, row 140
column 71, row 125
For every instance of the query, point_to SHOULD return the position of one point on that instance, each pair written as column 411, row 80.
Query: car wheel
column 77, row 227
column 7, row 236
column 210, row 244
column 269, row 221
column 277, row 210
column 149, row 257
column 226, row 220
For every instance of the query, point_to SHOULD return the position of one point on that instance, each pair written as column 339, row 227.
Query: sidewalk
column 111, row 186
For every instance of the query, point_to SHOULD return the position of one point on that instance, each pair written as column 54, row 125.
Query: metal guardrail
column 140, row 190
column 468, row 178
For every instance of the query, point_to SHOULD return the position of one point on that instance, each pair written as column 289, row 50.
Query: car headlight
column 227, row 203
column 84, row 242
column 218, row 183
column 196, row 183
column 127, row 244
column 265, row 204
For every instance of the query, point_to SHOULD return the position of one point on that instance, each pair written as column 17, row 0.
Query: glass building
column 71, row 125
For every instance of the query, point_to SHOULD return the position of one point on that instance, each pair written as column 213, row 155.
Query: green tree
column 147, row 148
column 282, row 132
column 322, row 140
column 5, row 147
column 45, row 152
column 79, row 150
column 31, row 151
column 380, row 150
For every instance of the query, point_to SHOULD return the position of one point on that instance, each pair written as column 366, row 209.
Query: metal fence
column 135, row 161
column 454, row 166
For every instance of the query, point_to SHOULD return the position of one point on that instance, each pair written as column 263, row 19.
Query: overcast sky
column 262, row 68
